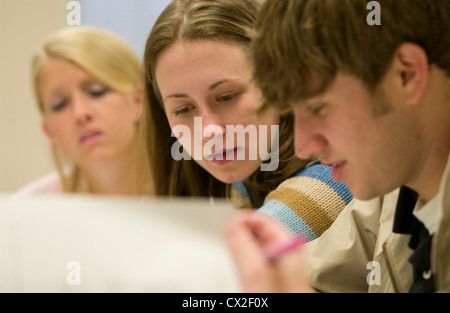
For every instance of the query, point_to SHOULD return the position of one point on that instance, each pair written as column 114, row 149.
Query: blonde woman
column 198, row 78
column 87, row 84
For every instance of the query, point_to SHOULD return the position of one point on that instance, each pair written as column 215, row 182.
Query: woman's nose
column 212, row 125
column 82, row 109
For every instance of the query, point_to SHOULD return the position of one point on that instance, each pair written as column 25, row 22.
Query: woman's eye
column 182, row 110
column 59, row 105
column 97, row 91
column 228, row 98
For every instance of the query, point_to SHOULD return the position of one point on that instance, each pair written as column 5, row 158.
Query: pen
column 277, row 253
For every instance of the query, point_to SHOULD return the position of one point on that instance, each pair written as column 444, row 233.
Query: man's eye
column 316, row 109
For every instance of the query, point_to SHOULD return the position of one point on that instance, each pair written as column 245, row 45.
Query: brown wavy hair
column 189, row 20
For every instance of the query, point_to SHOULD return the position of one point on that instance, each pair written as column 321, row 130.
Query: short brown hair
column 300, row 45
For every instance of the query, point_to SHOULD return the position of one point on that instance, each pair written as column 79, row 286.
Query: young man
column 374, row 102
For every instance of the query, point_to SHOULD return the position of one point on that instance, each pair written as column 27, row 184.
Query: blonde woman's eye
column 59, row 105
column 97, row 91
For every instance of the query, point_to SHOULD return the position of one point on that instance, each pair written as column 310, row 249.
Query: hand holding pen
column 268, row 258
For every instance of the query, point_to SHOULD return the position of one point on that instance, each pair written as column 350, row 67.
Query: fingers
column 253, row 239
column 291, row 271
column 270, row 233
column 254, row 269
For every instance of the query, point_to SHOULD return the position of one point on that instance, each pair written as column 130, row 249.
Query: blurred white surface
column 100, row 244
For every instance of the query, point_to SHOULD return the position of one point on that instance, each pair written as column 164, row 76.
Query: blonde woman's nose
column 82, row 109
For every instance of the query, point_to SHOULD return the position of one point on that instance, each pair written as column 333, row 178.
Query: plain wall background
column 24, row 150
column 130, row 19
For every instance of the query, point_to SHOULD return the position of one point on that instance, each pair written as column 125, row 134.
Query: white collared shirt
column 428, row 214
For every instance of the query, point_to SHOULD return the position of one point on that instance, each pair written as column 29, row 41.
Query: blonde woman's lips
column 91, row 137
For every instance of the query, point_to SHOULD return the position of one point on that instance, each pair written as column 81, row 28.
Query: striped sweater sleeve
column 308, row 203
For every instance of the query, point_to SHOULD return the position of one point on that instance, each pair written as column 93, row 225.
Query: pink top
column 48, row 184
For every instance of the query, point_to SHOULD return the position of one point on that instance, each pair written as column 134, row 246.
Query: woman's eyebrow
column 212, row 87
column 220, row 82
column 176, row 95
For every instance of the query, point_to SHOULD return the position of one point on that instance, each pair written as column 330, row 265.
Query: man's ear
column 412, row 70
column 138, row 101
column 48, row 132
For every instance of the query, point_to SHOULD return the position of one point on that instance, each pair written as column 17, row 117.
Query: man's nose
column 308, row 140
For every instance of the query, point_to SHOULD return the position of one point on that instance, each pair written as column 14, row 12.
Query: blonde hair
column 108, row 58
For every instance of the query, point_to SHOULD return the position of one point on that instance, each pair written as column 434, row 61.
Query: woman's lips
column 91, row 137
column 223, row 157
